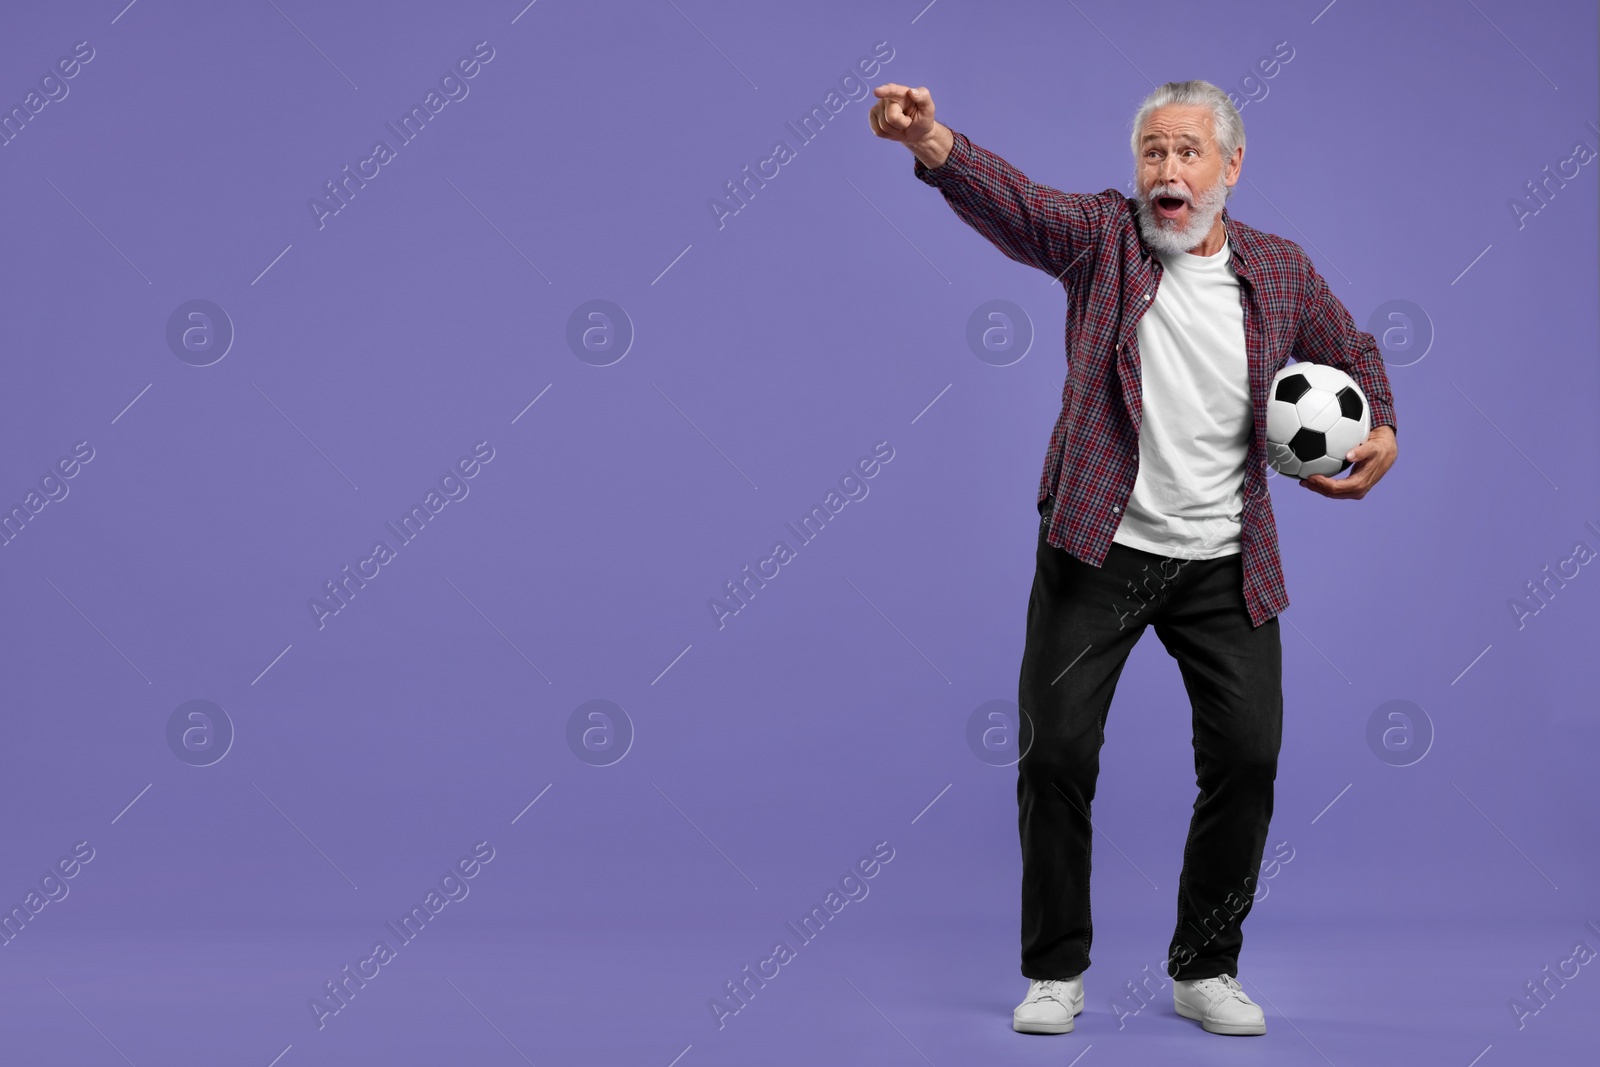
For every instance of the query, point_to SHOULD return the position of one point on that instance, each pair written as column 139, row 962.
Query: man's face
column 1181, row 177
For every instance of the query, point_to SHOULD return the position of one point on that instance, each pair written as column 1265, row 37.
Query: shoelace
column 1055, row 989
column 1231, row 987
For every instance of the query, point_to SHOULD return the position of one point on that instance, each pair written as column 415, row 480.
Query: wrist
column 935, row 148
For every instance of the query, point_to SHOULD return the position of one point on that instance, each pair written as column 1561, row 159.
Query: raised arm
column 1031, row 223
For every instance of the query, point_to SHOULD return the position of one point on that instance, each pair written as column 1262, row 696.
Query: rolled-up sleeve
column 1031, row 223
column 1327, row 334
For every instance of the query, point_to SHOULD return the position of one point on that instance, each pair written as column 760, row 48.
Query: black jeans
column 1082, row 623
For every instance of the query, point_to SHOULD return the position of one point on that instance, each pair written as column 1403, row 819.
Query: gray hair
column 1225, row 119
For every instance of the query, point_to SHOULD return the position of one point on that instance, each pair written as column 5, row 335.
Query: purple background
column 768, row 756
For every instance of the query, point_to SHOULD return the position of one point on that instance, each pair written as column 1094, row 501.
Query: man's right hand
column 905, row 115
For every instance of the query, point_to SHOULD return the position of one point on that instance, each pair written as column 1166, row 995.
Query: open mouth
column 1169, row 206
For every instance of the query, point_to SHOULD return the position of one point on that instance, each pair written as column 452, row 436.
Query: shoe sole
column 1042, row 1028
column 1227, row 1029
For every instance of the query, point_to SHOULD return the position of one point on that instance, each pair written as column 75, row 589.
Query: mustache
column 1156, row 192
column 1199, row 201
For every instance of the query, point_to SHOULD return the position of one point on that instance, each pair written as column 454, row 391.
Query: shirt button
column 1147, row 296
column 1115, row 508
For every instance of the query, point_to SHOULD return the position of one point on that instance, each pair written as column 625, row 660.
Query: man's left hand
column 1370, row 460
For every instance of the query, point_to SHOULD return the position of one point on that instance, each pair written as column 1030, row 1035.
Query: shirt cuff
column 953, row 169
column 1383, row 414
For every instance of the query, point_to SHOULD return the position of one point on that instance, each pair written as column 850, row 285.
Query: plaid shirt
column 1091, row 242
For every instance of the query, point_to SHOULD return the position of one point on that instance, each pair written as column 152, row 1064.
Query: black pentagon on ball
column 1350, row 404
column 1291, row 387
column 1308, row 445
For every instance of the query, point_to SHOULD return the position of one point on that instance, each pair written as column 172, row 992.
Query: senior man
column 1154, row 510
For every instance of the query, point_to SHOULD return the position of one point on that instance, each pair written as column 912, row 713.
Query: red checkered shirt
column 1091, row 242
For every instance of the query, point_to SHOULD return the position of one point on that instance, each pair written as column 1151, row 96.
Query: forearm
column 1368, row 372
column 1031, row 223
column 1328, row 334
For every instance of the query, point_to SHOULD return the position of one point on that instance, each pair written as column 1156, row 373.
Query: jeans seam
column 1183, row 880
column 1088, row 899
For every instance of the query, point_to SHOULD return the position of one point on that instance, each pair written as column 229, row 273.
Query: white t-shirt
column 1187, row 500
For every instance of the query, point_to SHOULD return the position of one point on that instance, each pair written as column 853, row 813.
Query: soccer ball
column 1315, row 414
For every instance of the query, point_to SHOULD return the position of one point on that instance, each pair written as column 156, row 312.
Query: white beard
column 1164, row 235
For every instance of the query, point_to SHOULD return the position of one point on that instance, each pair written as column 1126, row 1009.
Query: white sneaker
column 1219, row 1004
column 1049, row 1006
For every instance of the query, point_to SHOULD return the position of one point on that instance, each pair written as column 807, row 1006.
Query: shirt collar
column 1237, row 243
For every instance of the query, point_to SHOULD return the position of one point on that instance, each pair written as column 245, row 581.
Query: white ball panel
column 1326, row 465
column 1345, row 435
column 1283, row 422
column 1282, row 459
column 1318, row 410
column 1324, row 376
